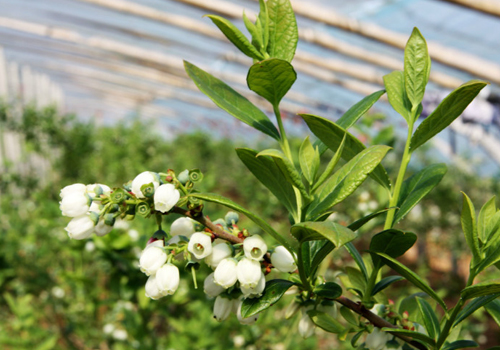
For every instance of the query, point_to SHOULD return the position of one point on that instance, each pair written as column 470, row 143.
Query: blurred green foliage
column 57, row 293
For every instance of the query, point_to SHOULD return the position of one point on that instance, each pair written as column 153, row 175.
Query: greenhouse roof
column 116, row 58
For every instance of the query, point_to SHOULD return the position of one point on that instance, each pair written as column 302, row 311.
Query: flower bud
column 306, row 325
column 282, row 260
column 231, row 218
column 210, row 288
column 152, row 258
column 166, row 197
column 222, row 308
column 257, row 290
column 167, row 279
column 249, row 273
column 80, row 227
column 183, row 177
column 78, row 188
column 225, row 273
column 377, row 339
column 200, row 245
column 182, row 227
column 95, row 190
column 142, row 179
column 220, row 252
column 152, row 290
column 75, row 204
column 254, row 247
column 101, row 229
column 247, row 320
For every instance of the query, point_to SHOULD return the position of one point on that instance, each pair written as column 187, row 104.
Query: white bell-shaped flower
column 144, row 178
column 166, row 197
column 167, row 279
column 222, row 308
column 152, row 290
column 254, row 247
column 182, row 227
column 377, row 339
column 78, row 188
column 80, row 227
column 200, row 245
column 282, row 260
column 306, row 325
column 75, row 204
column 249, row 273
column 247, row 320
column 101, row 229
column 225, row 273
column 211, row 288
column 257, row 290
column 152, row 258
column 220, row 252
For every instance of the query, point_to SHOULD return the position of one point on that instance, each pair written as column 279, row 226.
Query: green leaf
column 255, row 32
column 468, row 220
column 309, row 160
column 392, row 242
column 412, row 277
column 357, row 258
column 493, row 309
column 416, row 68
column 331, row 165
column 236, row 37
column 417, row 187
column 395, row 85
column 311, row 254
column 231, row 101
column 358, row 110
column 384, row 283
column 346, row 180
column 271, row 79
column 494, row 231
column 263, row 20
column 474, row 305
column 328, row 246
column 48, row 344
column 287, row 169
column 328, row 290
column 272, row 294
column 447, row 111
column 430, row 319
column 335, row 233
column 326, row 322
column 480, row 289
column 215, row 198
column 415, row 335
column 356, row 279
column 283, row 32
column 349, row 316
column 460, row 344
column 485, row 217
column 492, row 257
column 332, row 135
column 267, row 172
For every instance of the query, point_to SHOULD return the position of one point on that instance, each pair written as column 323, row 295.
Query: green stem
column 285, row 146
column 399, row 181
column 449, row 323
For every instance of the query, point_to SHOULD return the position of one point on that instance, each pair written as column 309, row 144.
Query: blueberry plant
column 242, row 262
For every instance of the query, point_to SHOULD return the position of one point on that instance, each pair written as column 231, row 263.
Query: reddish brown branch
column 377, row 321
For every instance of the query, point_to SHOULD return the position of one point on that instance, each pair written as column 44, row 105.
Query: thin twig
column 377, row 321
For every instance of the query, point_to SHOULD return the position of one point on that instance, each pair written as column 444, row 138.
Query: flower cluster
column 239, row 261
